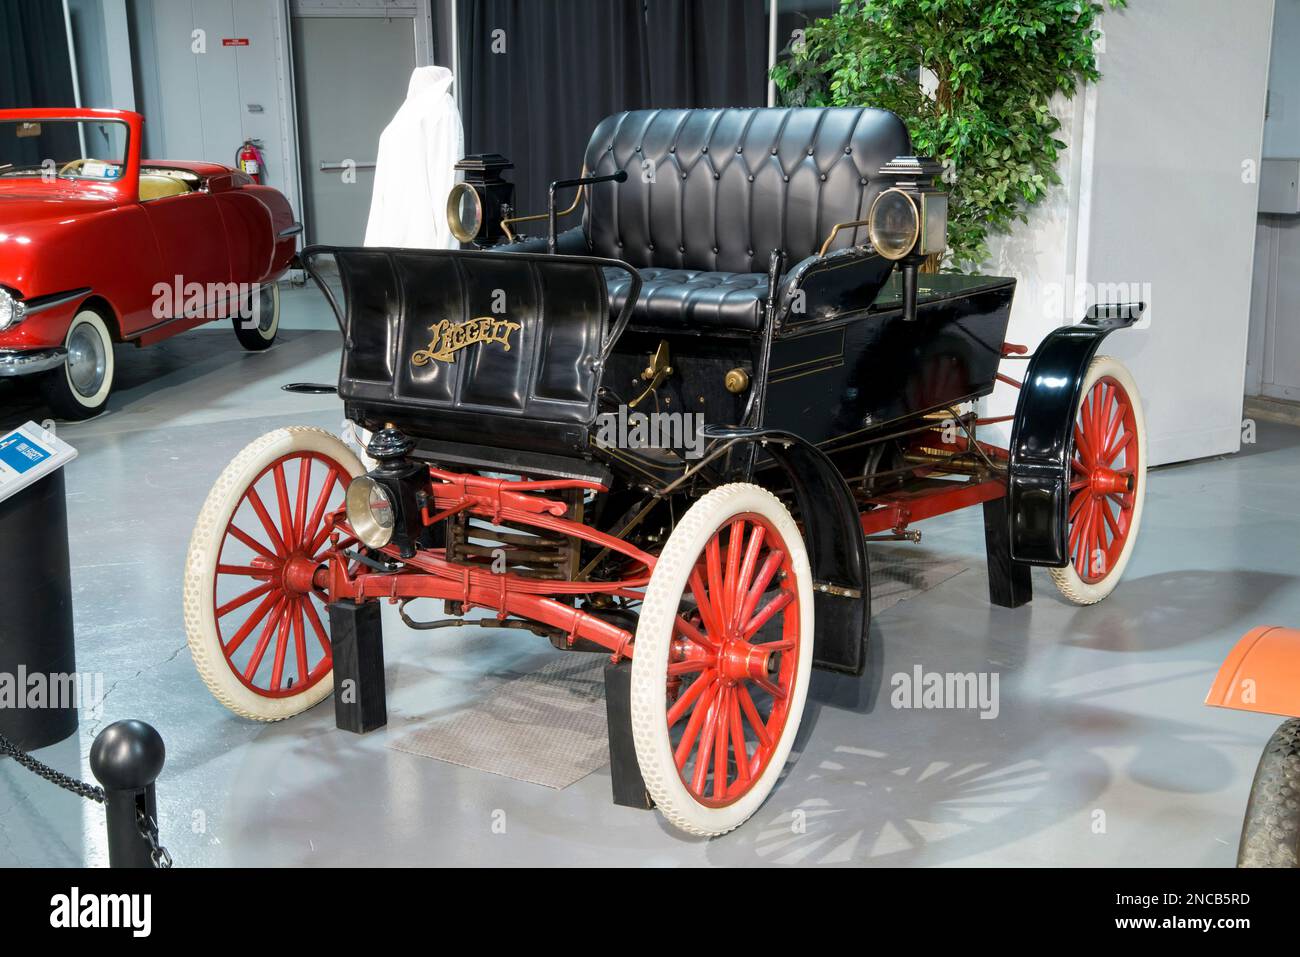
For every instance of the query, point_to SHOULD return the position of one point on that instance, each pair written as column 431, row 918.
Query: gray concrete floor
column 1102, row 753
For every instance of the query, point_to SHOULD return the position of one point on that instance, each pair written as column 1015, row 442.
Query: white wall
column 99, row 33
column 1156, row 207
column 1273, row 349
column 1282, row 126
column 1179, row 128
column 1041, row 254
column 196, row 104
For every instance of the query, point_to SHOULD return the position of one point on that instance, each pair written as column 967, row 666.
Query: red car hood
column 27, row 202
column 31, row 213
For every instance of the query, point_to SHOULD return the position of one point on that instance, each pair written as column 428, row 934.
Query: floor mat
column 548, row 727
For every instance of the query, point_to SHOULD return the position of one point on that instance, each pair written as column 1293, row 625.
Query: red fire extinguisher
column 249, row 160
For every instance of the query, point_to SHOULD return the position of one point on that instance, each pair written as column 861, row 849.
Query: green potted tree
column 973, row 80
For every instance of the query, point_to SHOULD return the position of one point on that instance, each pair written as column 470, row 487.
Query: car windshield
column 69, row 149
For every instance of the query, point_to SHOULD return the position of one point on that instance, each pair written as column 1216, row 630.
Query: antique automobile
column 1262, row 674
column 748, row 281
column 98, row 246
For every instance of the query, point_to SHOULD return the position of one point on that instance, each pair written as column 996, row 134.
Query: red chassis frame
column 428, row 573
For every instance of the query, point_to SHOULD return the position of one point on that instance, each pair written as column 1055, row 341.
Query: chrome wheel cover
column 265, row 307
column 87, row 360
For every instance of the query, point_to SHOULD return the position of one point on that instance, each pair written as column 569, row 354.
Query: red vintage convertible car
column 98, row 246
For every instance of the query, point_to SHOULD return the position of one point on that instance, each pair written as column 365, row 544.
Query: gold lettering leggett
column 450, row 337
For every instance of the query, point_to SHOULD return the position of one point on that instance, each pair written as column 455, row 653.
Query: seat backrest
column 719, row 189
column 469, row 345
column 160, row 185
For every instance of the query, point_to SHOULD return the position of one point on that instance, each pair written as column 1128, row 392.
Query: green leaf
column 998, row 64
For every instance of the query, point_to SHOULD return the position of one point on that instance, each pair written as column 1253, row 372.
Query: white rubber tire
column 1067, row 580
column 201, row 569
column 654, row 631
column 63, row 397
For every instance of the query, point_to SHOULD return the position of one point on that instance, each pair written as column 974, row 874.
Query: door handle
column 340, row 167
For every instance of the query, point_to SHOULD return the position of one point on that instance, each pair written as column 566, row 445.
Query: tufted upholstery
column 711, row 193
column 684, row 297
column 718, row 190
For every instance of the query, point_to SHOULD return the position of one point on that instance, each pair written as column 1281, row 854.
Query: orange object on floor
column 1261, row 673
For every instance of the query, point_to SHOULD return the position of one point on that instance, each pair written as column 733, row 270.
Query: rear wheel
column 1270, row 835
column 1107, row 485
column 258, row 330
column 721, row 664
column 255, row 617
column 80, row 388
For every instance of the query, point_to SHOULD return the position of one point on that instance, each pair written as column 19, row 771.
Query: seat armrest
column 824, row 287
column 571, row 242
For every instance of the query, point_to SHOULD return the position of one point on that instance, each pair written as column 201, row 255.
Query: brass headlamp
column 908, row 221
column 476, row 205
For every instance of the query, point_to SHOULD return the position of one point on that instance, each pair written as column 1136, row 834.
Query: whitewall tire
column 716, row 701
column 80, row 388
column 255, row 616
column 1108, row 483
column 258, row 332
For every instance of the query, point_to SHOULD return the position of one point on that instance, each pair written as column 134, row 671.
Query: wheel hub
column 86, row 361
column 265, row 308
column 299, row 574
column 1104, row 481
column 741, row 660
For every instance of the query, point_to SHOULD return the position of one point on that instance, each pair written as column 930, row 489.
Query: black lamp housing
column 486, row 194
column 917, row 176
column 404, row 479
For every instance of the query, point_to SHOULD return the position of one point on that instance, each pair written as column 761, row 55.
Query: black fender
column 836, row 548
column 1042, row 435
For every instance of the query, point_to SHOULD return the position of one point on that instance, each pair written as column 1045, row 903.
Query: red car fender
column 1261, row 673
column 95, row 251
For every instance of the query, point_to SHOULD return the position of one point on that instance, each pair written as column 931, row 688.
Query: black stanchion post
column 127, row 758
column 36, row 595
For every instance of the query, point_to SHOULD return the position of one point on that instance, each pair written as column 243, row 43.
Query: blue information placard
column 20, row 453
column 27, row 454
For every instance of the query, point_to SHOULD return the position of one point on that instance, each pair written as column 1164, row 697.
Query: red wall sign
column 234, row 41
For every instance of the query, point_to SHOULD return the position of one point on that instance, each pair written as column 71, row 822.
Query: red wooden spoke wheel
column 1107, row 482
column 730, row 676
column 272, row 563
column 255, row 611
column 722, row 658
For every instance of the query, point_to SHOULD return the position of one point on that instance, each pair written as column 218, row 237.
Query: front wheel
column 1270, row 835
column 80, row 388
column 722, row 659
column 254, row 610
column 256, row 328
column 1108, row 482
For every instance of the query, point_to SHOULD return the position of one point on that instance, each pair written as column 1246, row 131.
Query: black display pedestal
column 36, row 615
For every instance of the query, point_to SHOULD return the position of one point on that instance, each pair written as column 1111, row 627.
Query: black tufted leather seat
column 711, row 193
column 687, row 297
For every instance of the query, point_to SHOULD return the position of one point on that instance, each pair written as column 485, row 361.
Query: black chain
column 68, row 783
column 147, row 825
column 149, row 831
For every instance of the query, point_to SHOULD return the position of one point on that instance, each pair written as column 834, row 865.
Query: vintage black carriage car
column 748, row 279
